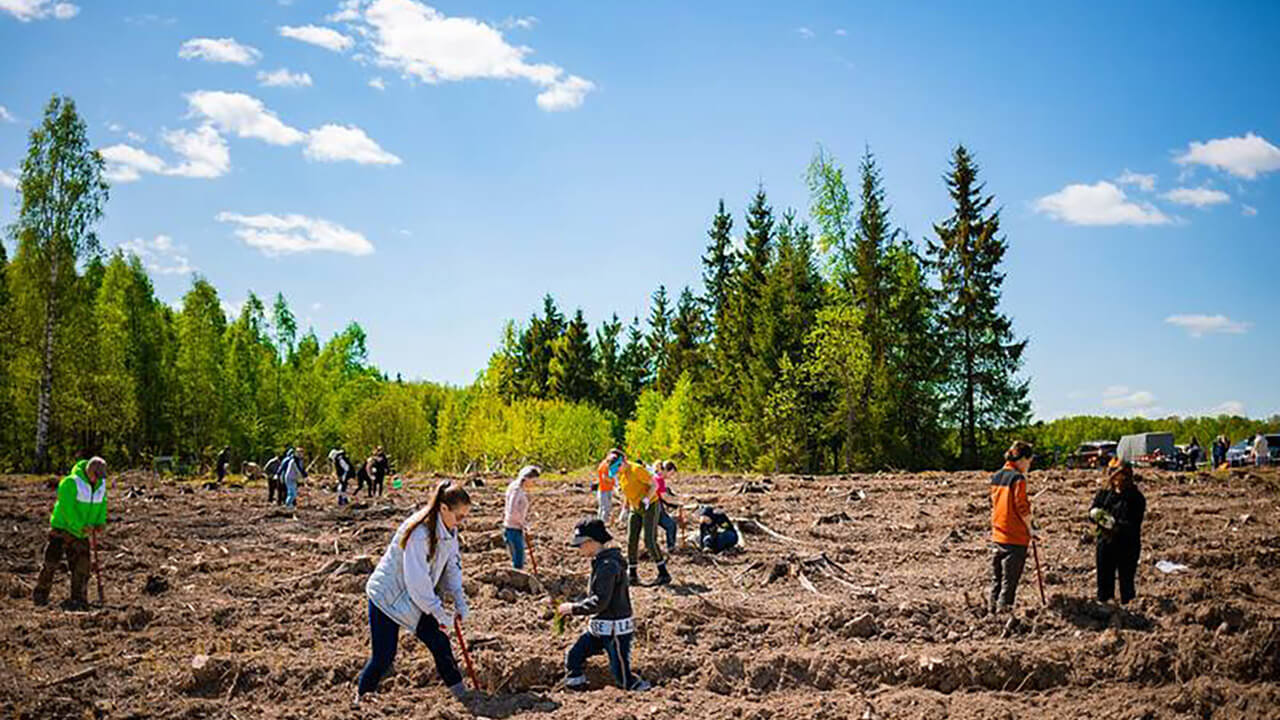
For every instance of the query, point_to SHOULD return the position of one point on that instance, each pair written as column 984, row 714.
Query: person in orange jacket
column 604, row 489
column 1011, row 526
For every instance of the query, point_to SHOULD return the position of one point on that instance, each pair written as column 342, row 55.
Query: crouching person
column 716, row 532
column 421, row 563
column 609, row 601
column 81, row 508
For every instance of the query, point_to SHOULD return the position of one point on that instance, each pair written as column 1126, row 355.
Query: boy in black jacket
column 1118, row 511
column 609, row 600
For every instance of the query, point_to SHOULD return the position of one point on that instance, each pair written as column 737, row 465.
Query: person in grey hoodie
column 609, row 601
column 421, row 563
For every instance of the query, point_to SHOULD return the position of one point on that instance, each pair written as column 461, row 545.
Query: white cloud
column 28, row 10
column 1201, row 325
column 125, row 163
column 243, row 115
column 276, row 235
column 566, row 94
column 423, row 43
column 202, row 152
column 1144, row 182
column 804, row 32
column 283, row 78
column 332, row 143
column 219, row 50
column 841, row 32
column 135, row 137
column 1245, row 157
column 5, row 115
column 1248, row 210
column 1137, row 402
column 1099, row 204
column 522, row 23
column 1234, row 408
column 1197, row 197
column 159, row 255
column 8, row 180
column 377, row 83
column 324, row 37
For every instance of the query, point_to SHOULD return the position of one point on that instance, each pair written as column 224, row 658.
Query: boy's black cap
column 589, row 529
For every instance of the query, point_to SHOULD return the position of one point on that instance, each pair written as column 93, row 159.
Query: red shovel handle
column 466, row 654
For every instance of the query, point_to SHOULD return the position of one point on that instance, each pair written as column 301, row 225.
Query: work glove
column 645, row 503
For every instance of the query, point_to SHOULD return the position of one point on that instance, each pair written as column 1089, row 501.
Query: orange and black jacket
column 1009, row 504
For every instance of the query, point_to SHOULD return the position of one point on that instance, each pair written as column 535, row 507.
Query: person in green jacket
column 81, row 507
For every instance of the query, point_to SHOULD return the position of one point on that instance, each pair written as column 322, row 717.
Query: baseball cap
column 589, row 529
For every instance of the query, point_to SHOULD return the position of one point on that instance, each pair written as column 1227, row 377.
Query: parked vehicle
column 1093, row 454
column 1241, row 453
column 1273, row 445
column 1153, row 449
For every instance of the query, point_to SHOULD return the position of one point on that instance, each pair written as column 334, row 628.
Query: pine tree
column 609, row 382
column 686, row 355
column 636, row 371
column 573, row 366
column 872, row 236
column 982, row 391
column 63, row 194
column 658, row 340
column 719, row 263
column 913, row 365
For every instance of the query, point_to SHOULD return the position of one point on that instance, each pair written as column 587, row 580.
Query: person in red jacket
column 1011, row 526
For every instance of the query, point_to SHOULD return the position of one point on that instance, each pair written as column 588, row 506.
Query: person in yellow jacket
column 640, row 493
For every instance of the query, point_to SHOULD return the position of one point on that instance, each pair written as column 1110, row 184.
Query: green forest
column 823, row 339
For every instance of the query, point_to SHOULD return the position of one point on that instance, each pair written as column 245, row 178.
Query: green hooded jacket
column 80, row 504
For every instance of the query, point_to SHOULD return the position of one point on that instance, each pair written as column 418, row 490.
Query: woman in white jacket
column 420, row 564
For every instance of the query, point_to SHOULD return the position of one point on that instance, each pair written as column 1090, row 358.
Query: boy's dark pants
column 77, row 554
column 617, row 647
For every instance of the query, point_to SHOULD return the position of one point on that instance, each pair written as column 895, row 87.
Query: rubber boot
column 664, row 578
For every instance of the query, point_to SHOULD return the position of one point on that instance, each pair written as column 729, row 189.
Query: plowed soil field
column 854, row 597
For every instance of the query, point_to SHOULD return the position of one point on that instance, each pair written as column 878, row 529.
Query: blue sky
column 433, row 170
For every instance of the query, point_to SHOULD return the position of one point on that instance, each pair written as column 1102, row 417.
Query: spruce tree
column 658, row 340
column 573, row 366
column 913, row 364
column 872, row 237
column 719, row 263
column 688, row 328
column 636, row 371
column 982, row 392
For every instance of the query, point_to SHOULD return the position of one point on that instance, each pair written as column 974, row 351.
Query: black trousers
column 1007, row 562
column 1117, row 558
column 275, row 490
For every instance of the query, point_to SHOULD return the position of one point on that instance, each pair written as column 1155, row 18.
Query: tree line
column 822, row 345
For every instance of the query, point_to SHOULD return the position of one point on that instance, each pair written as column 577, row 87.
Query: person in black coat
column 1117, row 512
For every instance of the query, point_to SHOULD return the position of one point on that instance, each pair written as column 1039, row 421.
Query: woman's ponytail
column 446, row 493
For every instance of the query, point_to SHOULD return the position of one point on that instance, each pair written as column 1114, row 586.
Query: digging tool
column 466, row 654
column 97, row 564
column 528, row 543
column 1039, row 575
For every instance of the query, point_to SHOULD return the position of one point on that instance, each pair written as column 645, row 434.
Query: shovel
column 1039, row 576
column 97, row 564
column 466, row 654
